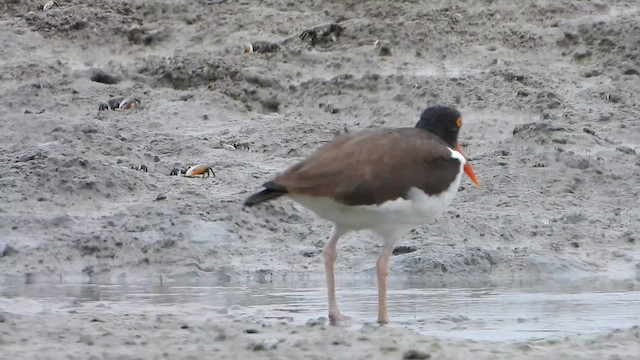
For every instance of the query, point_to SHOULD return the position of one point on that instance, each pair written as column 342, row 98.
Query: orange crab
column 195, row 170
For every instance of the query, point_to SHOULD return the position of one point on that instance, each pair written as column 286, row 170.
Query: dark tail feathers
column 264, row 195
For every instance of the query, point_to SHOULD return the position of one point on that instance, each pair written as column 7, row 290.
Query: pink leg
column 382, row 267
column 330, row 256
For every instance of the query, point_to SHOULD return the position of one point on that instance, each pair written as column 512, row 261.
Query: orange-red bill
column 468, row 170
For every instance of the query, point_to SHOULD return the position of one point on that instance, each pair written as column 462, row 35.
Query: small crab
column 120, row 103
column 142, row 167
column 200, row 169
column 384, row 49
column 49, row 5
column 243, row 146
column 177, row 171
column 112, row 104
column 129, row 103
column 234, row 146
column 317, row 36
column 260, row 47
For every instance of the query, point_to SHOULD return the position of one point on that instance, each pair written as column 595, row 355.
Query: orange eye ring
column 459, row 122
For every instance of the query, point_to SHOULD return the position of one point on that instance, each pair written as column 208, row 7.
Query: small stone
column 329, row 108
column 582, row 54
column 272, row 104
column 605, row 117
column 321, row 321
column 524, row 347
column 592, row 73
column 404, row 249
column 257, row 347
column 309, row 253
column 100, row 76
column 626, row 149
column 553, row 104
column 385, row 51
column 8, row 251
column 416, row 355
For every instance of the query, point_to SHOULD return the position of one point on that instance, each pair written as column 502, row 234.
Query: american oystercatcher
column 385, row 180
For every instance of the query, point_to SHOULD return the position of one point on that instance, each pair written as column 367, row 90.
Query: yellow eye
column 459, row 122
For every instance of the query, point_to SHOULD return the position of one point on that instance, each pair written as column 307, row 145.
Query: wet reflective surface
column 480, row 313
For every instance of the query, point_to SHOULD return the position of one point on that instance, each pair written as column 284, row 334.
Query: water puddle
column 481, row 313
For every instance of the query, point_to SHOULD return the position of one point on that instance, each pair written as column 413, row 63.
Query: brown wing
column 372, row 167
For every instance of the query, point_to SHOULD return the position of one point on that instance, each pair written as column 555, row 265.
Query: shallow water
column 479, row 313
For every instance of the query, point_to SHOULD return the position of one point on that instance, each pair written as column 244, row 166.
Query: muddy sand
column 549, row 95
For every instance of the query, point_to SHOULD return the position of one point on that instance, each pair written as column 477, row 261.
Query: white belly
column 400, row 214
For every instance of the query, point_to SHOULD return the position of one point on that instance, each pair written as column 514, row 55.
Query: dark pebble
column 415, row 355
column 271, row 104
column 404, row 249
column 100, row 76
column 8, row 251
column 592, row 73
column 257, row 347
column 626, row 149
column 309, row 253
column 385, row 51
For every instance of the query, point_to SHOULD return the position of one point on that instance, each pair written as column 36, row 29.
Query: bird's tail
column 264, row 195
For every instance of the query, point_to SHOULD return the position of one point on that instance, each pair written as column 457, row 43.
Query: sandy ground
column 548, row 91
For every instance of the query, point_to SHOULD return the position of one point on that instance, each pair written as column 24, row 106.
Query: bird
column 386, row 180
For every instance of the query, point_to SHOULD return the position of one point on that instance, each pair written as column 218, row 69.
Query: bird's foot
column 337, row 319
